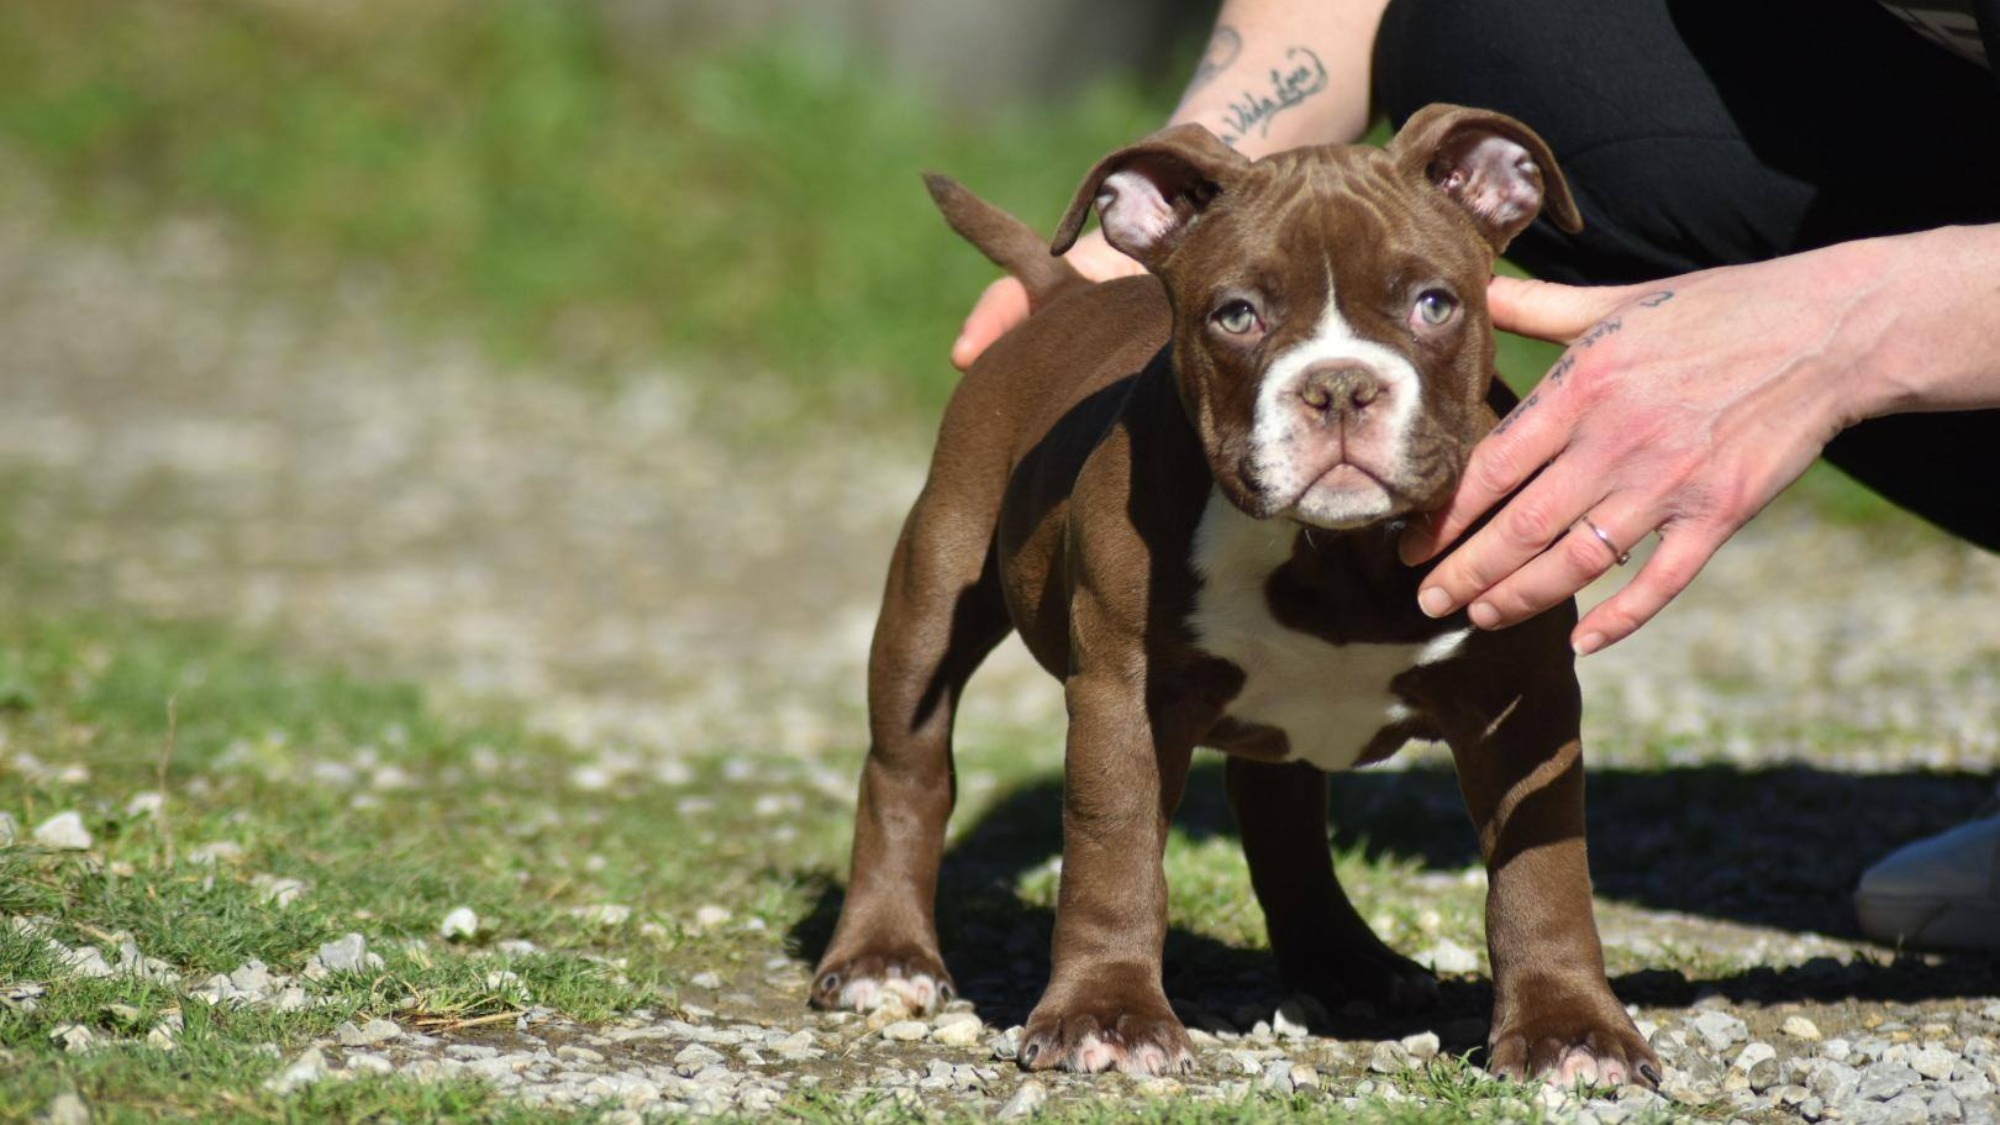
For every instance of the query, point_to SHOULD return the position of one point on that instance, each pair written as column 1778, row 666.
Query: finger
column 1523, row 528
column 1572, row 562
column 1684, row 549
column 1003, row 305
column 1522, row 443
column 1548, row 311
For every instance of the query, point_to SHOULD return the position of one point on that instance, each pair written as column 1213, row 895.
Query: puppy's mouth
column 1347, row 495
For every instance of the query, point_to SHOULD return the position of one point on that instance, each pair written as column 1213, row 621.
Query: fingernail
column 1483, row 615
column 1434, row 601
column 1588, row 643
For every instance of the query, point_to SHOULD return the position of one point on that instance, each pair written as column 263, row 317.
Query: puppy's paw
column 1604, row 1050
column 867, row 981
column 1141, row 1038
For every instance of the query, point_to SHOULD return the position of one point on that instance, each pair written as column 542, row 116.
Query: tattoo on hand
column 1655, row 300
column 1220, row 55
column 1302, row 76
column 1519, row 409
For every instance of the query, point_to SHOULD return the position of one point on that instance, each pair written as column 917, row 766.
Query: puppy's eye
column 1238, row 318
column 1434, row 307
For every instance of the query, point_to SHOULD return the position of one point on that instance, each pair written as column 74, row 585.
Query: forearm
column 1278, row 74
column 1926, row 308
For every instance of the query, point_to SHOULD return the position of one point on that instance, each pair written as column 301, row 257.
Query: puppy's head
column 1330, row 329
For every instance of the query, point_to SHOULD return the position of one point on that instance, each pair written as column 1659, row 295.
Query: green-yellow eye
column 1237, row 318
column 1435, row 307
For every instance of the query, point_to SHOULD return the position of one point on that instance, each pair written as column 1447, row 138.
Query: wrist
column 1927, row 302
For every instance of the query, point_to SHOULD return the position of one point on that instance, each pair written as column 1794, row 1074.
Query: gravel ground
column 664, row 567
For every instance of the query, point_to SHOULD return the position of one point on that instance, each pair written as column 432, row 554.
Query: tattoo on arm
column 1220, row 55
column 1300, row 77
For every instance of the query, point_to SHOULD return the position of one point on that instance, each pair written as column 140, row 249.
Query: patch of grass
column 355, row 791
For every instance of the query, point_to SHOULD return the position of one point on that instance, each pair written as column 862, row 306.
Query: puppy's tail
column 1005, row 240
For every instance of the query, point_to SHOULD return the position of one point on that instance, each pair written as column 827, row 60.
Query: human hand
column 1005, row 302
column 1681, row 407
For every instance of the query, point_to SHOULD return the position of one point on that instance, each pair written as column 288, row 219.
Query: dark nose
column 1335, row 390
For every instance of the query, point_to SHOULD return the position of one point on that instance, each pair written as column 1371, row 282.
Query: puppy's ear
column 1149, row 193
column 1488, row 163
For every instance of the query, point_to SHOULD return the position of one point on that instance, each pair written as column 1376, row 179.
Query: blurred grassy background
column 502, row 166
column 504, row 170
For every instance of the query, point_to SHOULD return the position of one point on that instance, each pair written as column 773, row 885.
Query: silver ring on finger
column 1621, row 556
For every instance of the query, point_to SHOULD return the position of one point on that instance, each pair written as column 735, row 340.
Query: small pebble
column 1799, row 1027
column 1028, row 1097
column 63, row 832
column 460, row 923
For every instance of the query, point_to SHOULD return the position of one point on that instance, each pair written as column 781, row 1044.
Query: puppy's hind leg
column 942, row 613
column 1323, row 946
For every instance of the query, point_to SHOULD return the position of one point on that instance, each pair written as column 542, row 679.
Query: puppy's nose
column 1337, row 389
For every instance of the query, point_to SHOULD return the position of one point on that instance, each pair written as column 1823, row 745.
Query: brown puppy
column 1185, row 492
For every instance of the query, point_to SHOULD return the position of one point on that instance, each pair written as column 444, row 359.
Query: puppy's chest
column 1321, row 682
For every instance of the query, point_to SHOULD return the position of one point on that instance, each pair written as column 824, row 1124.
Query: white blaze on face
column 1291, row 450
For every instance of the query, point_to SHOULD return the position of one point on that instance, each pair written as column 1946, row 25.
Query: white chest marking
column 1328, row 699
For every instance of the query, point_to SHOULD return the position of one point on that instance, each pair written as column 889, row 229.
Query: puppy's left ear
column 1149, row 194
column 1491, row 165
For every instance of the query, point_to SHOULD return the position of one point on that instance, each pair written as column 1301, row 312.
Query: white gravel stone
column 1934, row 1063
column 280, row 892
column 906, row 1031
column 709, row 917
column 347, row 954
column 67, row 1109
column 63, row 832
column 603, row 914
column 74, row 1037
column 461, row 923
column 1448, row 958
column 253, row 978
column 1422, row 1047
column 1719, row 1030
column 1027, row 1098
column 368, row 1034
column 1799, row 1027
column 965, row 1032
column 86, row 962
column 1389, row 1057
column 694, row 1057
column 301, row 1072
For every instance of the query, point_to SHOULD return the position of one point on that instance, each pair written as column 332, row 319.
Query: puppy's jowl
column 1184, row 491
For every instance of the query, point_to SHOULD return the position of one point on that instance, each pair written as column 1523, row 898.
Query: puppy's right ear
column 1149, row 193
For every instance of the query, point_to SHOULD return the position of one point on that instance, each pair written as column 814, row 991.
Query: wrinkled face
column 1331, row 338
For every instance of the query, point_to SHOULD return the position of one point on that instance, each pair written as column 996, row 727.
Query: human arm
column 1686, row 405
column 1276, row 74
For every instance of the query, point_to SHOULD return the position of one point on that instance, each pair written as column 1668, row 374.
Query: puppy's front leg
column 1123, row 777
column 1554, row 1013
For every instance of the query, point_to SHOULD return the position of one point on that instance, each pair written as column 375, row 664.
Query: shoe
column 1941, row 892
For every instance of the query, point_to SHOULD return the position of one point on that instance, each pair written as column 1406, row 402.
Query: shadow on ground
column 1779, row 848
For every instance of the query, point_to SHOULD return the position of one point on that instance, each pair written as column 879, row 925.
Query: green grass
column 244, row 767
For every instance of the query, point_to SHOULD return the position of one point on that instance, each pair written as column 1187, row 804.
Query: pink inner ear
column 1497, row 179
column 1134, row 212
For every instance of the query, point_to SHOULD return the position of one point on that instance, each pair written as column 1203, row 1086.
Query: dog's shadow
column 1778, row 847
